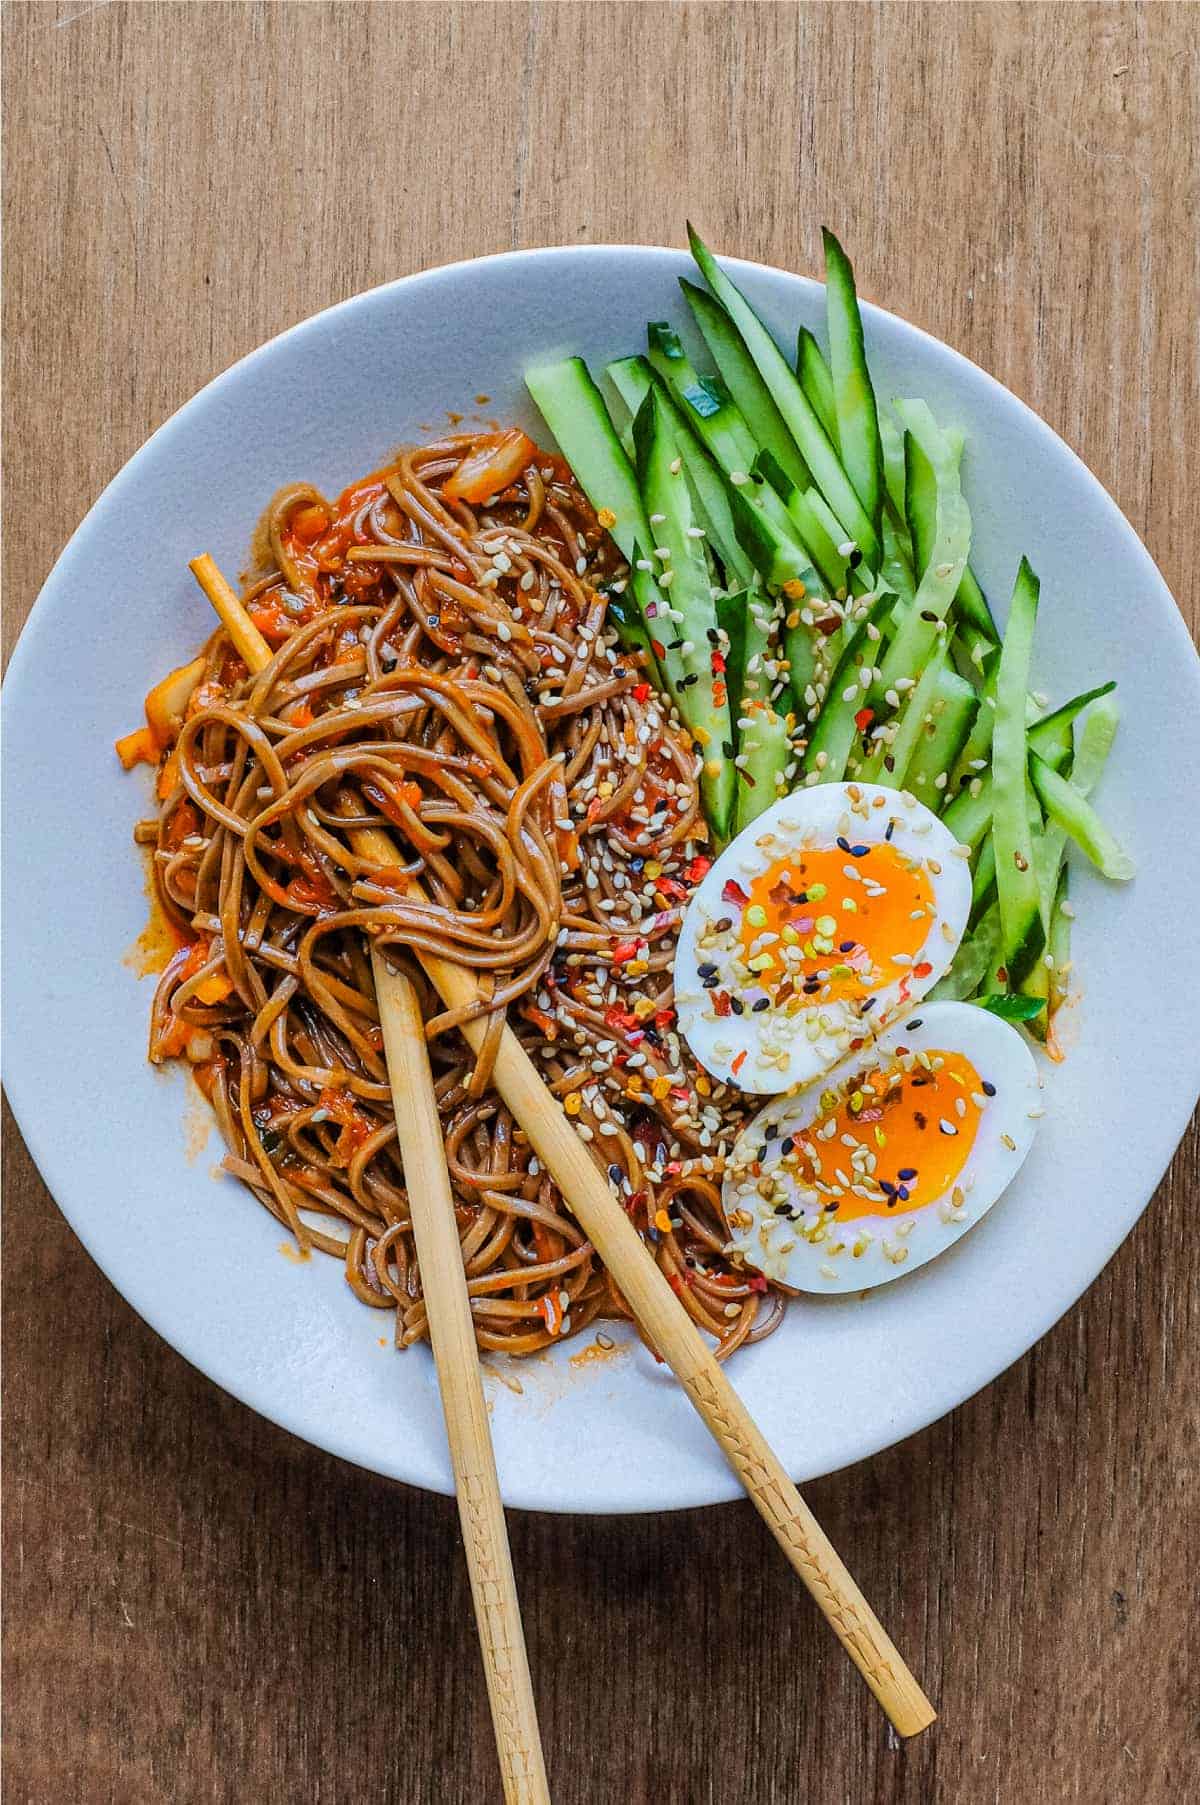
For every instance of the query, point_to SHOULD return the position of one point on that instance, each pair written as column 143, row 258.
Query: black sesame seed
column 855, row 558
column 920, row 1120
column 723, row 926
column 846, row 946
column 889, row 830
column 686, row 682
column 760, row 1003
column 914, row 1025
column 868, row 1005
column 928, row 614
column 832, row 1204
column 787, row 1145
column 737, row 1005
column 859, row 852
column 780, row 1209
column 989, row 1090
column 706, row 971
column 615, row 1173
column 907, row 1172
column 889, row 765
column 433, row 620
column 713, row 637
column 673, row 645
column 843, row 843
column 902, row 1193
column 887, row 1187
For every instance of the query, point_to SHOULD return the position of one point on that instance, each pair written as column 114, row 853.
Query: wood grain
column 201, row 1608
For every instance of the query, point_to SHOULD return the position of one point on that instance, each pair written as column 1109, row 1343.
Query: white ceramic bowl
column 201, row 1261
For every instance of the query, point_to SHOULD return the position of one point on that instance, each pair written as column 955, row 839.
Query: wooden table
column 201, row 1608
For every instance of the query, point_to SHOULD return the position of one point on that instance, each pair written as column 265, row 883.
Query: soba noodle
column 445, row 670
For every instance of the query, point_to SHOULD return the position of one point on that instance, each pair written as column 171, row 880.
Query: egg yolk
column 902, row 1136
column 836, row 921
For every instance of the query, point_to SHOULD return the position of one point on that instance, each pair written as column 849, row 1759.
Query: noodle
column 442, row 669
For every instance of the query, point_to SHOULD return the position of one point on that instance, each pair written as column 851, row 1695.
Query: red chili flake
column 641, row 692
column 722, row 1004
column 672, row 1168
column 663, row 1018
column 675, row 1282
column 624, row 951
column 758, row 1283
column 732, row 892
column 718, row 664
column 738, row 1063
column 636, row 1037
column 671, row 888
column 616, row 1017
column 923, row 969
column 681, row 1091
column 863, row 719
column 829, row 623
column 658, row 648
column 699, row 868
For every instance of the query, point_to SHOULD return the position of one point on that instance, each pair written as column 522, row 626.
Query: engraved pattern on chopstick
column 516, row 1758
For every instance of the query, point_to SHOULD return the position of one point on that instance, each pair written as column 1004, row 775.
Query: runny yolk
column 912, row 1129
column 825, row 923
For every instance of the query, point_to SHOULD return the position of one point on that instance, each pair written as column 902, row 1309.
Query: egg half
column 838, row 907
column 891, row 1159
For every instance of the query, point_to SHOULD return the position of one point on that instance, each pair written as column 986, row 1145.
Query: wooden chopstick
column 665, row 1322
column 451, row 1330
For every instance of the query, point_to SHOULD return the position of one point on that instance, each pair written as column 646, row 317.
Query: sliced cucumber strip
column 941, row 738
column 741, row 376
column 974, row 961
column 920, row 492
column 836, row 730
column 1022, row 928
column 574, row 410
column 854, row 396
column 689, row 617
column 632, row 377
column 922, row 624
column 816, row 381
column 892, row 755
column 764, row 749
column 1072, row 811
column 810, row 436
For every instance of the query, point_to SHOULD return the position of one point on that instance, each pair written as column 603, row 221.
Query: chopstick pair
column 659, row 1313
column 448, row 1309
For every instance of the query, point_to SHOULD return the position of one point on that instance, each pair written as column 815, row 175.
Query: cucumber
column 815, row 447
column 1023, row 932
column 954, row 707
column 816, row 381
column 920, row 488
column 687, row 657
column 811, row 522
column 854, row 395
column 1070, row 809
column 1060, row 942
column 717, row 420
column 974, row 961
column 969, row 817
column 573, row 408
column 835, row 731
column 764, row 748
column 750, row 393
column 632, row 377
column 891, row 757
column 922, row 623
column 1095, row 743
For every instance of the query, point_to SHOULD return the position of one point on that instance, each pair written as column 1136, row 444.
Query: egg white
column 771, row 1051
column 873, row 1249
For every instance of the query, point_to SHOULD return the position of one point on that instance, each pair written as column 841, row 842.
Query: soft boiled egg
column 890, row 1159
column 839, row 906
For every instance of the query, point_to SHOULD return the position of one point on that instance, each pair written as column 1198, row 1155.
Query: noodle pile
column 442, row 669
